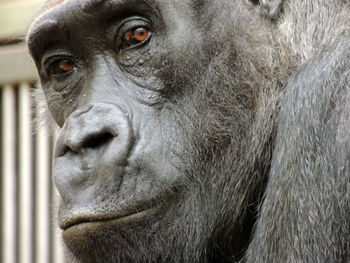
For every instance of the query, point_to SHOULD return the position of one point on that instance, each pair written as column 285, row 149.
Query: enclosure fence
column 28, row 200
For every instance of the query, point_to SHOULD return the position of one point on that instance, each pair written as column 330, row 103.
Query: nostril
column 95, row 141
column 90, row 142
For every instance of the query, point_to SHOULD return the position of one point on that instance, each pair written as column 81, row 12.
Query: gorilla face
column 156, row 111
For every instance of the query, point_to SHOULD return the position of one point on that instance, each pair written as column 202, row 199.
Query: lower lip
column 95, row 224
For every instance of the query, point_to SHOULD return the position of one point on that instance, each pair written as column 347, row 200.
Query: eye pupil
column 66, row 65
column 136, row 36
column 61, row 67
column 140, row 34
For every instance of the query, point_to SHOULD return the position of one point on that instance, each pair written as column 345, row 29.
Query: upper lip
column 86, row 217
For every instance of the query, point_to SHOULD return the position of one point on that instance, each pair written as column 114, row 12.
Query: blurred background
column 28, row 231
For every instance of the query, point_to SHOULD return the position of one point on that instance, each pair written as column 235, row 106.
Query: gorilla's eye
column 61, row 67
column 136, row 36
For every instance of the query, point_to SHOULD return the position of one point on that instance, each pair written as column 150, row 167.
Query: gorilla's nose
column 98, row 135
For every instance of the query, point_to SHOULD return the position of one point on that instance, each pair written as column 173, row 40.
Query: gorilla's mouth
column 94, row 220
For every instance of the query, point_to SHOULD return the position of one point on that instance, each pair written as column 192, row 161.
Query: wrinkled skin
column 217, row 134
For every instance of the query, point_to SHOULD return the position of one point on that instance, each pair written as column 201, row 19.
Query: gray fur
column 259, row 120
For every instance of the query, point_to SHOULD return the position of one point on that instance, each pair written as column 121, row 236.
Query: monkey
column 199, row 130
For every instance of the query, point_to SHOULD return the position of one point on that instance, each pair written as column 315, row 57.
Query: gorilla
column 199, row 131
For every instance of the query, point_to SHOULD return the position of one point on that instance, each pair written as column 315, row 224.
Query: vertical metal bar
column 43, row 192
column 9, row 174
column 58, row 251
column 25, row 176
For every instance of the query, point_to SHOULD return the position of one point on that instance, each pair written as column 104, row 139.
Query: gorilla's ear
column 271, row 8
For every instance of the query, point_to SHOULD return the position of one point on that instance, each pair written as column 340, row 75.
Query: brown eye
column 61, row 67
column 136, row 36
